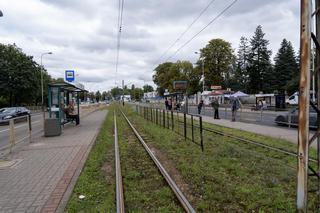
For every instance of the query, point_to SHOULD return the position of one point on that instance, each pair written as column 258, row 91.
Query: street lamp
column 42, row 99
column 202, row 71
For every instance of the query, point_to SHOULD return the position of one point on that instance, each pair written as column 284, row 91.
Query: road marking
column 19, row 126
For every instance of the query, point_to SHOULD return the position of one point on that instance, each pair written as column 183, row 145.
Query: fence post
column 201, row 134
column 192, row 128
column 156, row 116
column 151, row 114
column 30, row 127
column 172, row 125
column 164, row 118
column 168, row 120
column 12, row 134
column 225, row 112
column 289, row 120
column 178, row 124
column 185, row 125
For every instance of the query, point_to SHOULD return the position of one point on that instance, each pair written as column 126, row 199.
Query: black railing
column 187, row 125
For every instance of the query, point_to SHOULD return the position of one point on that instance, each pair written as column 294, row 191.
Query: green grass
column 94, row 182
column 145, row 190
column 231, row 176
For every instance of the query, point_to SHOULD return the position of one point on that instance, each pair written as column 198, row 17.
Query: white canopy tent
column 238, row 94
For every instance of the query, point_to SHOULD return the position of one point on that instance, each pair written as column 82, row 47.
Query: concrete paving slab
column 38, row 182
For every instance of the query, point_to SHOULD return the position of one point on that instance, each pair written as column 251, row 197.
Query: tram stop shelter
column 60, row 96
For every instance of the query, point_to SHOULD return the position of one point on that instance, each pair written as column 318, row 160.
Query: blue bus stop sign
column 70, row 75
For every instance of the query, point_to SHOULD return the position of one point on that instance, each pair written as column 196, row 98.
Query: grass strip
column 97, row 180
column 230, row 176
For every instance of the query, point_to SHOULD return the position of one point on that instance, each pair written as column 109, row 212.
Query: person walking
column 215, row 105
column 200, row 105
column 235, row 105
column 170, row 104
column 166, row 103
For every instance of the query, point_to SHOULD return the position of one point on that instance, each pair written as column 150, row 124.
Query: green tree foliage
column 286, row 69
column 169, row 72
column 98, row 96
column 259, row 65
column 148, row 88
column 116, row 92
column 20, row 77
column 164, row 77
column 241, row 77
column 218, row 59
column 137, row 94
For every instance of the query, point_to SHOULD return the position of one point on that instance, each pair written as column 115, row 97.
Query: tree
column 218, row 59
column 286, row 67
column 20, row 77
column 116, row 92
column 104, row 95
column 98, row 96
column 165, row 76
column 241, row 76
column 148, row 88
column 169, row 72
column 259, row 65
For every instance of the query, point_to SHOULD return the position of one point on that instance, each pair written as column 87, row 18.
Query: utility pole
column 304, row 169
column 317, row 71
column 304, row 98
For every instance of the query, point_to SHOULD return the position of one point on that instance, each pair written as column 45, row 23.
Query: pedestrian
column 170, row 104
column 200, row 105
column 166, row 104
column 235, row 105
column 215, row 105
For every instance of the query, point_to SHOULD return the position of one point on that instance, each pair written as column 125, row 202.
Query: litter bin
column 52, row 127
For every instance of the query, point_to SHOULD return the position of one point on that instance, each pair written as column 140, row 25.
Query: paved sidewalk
column 290, row 135
column 42, row 171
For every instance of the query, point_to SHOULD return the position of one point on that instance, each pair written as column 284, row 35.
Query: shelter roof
column 67, row 86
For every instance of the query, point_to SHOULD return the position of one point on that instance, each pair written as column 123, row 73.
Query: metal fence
column 13, row 132
column 187, row 125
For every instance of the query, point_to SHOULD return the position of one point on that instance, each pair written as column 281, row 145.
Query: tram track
column 185, row 204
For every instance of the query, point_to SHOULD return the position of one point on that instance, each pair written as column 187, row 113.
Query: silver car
column 291, row 118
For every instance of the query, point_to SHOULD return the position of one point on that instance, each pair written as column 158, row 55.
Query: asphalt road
column 20, row 130
column 255, row 117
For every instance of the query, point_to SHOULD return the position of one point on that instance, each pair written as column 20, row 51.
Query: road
column 255, row 117
column 21, row 131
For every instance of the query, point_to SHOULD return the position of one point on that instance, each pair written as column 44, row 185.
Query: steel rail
column 119, row 187
column 183, row 200
column 255, row 143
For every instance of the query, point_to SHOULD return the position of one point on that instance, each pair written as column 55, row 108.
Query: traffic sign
column 70, row 75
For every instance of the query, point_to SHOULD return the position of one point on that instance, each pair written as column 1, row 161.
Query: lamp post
column 42, row 99
column 202, row 60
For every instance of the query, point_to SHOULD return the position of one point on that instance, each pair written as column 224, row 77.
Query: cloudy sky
column 82, row 34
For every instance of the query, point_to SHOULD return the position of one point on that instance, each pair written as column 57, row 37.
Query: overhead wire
column 207, row 25
column 119, row 29
column 186, row 30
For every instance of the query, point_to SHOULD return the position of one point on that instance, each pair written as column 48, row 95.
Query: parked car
column 291, row 118
column 13, row 112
